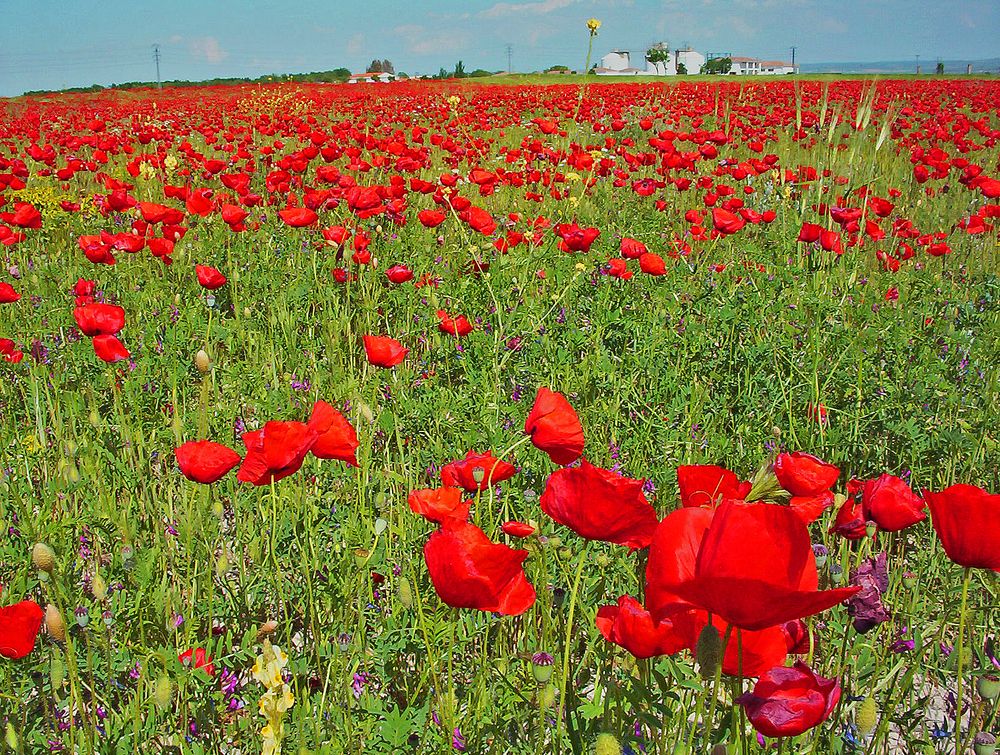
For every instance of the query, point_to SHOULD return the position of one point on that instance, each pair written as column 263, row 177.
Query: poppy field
column 431, row 417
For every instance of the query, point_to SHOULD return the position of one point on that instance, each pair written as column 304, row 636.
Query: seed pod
column 57, row 671
column 202, row 362
column 541, row 667
column 984, row 743
column 708, row 651
column 867, row 716
column 43, row 557
column 163, row 692
column 606, row 744
column 988, row 687
column 405, row 593
column 54, row 623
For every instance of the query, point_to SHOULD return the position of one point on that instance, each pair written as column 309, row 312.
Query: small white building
column 371, row 78
column 625, row 63
column 744, row 67
column 775, row 68
column 690, row 59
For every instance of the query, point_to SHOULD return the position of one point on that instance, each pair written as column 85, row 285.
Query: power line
column 156, row 57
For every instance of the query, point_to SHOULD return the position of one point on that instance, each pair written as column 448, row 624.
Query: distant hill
column 927, row 65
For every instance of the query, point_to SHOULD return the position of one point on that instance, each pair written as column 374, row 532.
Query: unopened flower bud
column 201, row 361
column 222, row 565
column 720, row 749
column 541, row 667
column 57, row 671
column 867, row 716
column 43, row 558
column 606, row 744
column 708, row 651
column 98, row 587
column 54, row 623
column 547, row 696
column 163, row 692
column 404, row 592
column 266, row 629
column 10, row 737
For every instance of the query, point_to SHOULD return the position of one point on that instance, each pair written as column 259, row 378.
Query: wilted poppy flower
column 275, row 451
column 866, row 608
column 7, row 294
column 889, row 502
column 205, row 461
column 383, row 351
column 786, row 702
column 631, row 626
column 335, row 435
column 707, row 484
column 753, row 565
column 967, row 520
column 209, row 277
column 803, row 474
column 109, row 348
column 554, row 427
column 600, row 505
column 198, row 659
column 99, row 319
column 468, row 570
column 456, row 326
column 476, row 471
column 19, row 628
column 438, row 504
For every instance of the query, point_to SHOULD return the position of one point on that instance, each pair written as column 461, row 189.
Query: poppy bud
column 98, row 587
column 909, row 580
column 163, row 692
column 681, row 749
column 222, row 565
column 54, row 623
column 81, row 616
column 57, row 672
column 867, row 716
column 984, row 743
column 95, row 417
column 266, row 629
column 988, row 687
column 541, row 667
column 201, row 361
column 10, row 737
column 43, row 558
column 246, row 311
column 405, row 593
column 708, row 651
column 606, row 744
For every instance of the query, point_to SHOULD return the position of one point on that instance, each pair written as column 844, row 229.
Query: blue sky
column 54, row 44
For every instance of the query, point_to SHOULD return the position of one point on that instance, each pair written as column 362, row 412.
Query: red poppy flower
column 707, row 484
column 478, row 219
column 456, row 326
column 750, row 564
column 726, row 222
column 631, row 626
column 632, row 249
column 889, row 502
column 205, row 461
column 811, row 507
column 109, row 348
column 7, row 294
column 335, row 435
column 600, row 505
column 198, row 659
column 8, row 352
column 850, row 522
column 554, row 427
column 573, row 238
column 803, row 474
column 19, row 628
column 518, row 529
column 967, row 520
column 298, row 217
column 99, row 319
column 652, row 264
column 438, row 504
column 786, row 702
column 383, row 351
column 275, row 451
column 399, row 274
column 209, row 277
column 463, row 473
column 431, row 218
column 468, row 570
column 810, row 233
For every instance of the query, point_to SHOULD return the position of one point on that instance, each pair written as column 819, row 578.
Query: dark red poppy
column 967, row 520
column 456, row 326
column 889, row 502
column 99, row 319
column 19, row 628
column 399, row 274
column 468, row 570
column 209, row 277
column 205, row 461
column 486, row 467
column 298, row 217
column 631, row 626
column 275, row 451
column 850, row 522
column 554, row 427
column 197, row 658
column 707, row 484
column 7, row 294
column 751, row 564
column 600, row 505
column 438, row 504
column 803, row 474
column 383, row 351
column 632, row 249
column 109, row 348
column 335, row 435
column 786, row 702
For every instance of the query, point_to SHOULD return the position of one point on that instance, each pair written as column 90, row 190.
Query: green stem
column 568, row 642
column 961, row 658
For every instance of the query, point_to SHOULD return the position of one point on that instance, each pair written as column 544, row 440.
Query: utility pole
column 793, row 58
column 918, row 64
column 510, row 51
column 156, row 57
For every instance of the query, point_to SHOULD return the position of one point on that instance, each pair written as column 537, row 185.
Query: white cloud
column 421, row 41
column 356, row 44
column 540, row 7
column 208, row 49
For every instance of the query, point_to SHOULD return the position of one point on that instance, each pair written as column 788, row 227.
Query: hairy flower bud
column 202, row 362
column 708, row 651
column 98, row 587
column 163, row 692
column 404, row 592
column 54, row 623
column 43, row 558
column 867, row 716
column 606, row 744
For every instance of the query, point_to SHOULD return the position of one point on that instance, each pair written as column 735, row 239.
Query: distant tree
column 682, row 69
column 387, row 67
column 479, row 73
column 716, row 65
column 442, row 74
column 460, row 70
column 939, row 69
column 557, row 68
column 658, row 54
column 374, row 67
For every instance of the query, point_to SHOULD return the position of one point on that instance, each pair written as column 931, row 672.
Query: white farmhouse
column 744, row 67
column 775, row 68
column 625, row 63
column 690, row 59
